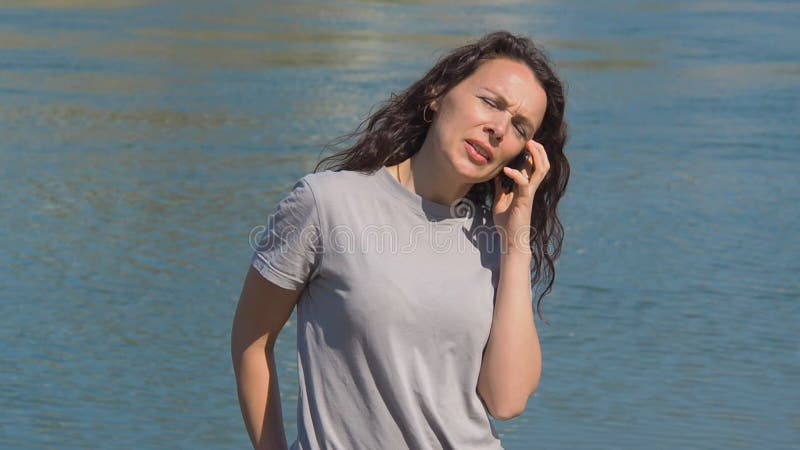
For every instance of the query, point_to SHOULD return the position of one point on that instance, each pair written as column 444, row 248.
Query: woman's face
column 499, row 106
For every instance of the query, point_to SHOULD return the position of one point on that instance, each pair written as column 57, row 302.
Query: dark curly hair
column 397, row 130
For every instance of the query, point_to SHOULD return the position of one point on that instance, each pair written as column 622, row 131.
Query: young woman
column 411, row 261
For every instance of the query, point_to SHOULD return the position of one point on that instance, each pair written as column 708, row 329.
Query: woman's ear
column 434, row 105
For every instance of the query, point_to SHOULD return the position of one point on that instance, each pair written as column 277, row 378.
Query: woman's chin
column 476, row 174
column 472, row 172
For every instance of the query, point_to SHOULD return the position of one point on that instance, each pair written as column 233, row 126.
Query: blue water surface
column 142, row 141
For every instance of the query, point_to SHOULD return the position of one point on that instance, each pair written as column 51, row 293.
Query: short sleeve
column 288, row 249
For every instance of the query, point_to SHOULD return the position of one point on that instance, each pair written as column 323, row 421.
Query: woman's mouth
column 476, row 154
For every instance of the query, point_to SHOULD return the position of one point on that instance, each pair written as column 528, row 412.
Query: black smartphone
column 517, row 163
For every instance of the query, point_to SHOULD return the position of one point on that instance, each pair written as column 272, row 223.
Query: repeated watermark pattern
column 464, row 235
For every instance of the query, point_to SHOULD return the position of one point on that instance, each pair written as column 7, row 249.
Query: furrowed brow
column 522, row 118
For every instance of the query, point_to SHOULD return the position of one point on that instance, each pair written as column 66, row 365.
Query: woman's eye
column 519, row 130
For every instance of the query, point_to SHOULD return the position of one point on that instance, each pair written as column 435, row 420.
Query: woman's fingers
column 539, row 160
column 535, row 168
column 518, row 176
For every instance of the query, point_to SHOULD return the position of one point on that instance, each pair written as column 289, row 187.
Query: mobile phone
column 517, row 163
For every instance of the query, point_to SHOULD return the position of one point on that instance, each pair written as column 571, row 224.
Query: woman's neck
column 425, row 177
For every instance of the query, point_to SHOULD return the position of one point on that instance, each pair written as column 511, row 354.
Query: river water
column 142, row 141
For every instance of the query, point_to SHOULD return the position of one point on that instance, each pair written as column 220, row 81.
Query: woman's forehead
column 514, row 82
column 504, row 73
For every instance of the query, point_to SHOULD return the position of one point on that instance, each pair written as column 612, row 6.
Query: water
column 142, row 141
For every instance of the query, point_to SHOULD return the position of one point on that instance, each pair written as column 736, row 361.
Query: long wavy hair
column 397, row 129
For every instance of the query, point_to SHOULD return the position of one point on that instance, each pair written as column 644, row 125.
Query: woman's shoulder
column 340, row 196
column 337, row 182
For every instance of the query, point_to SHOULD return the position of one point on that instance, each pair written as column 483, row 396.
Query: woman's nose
column 498, row 127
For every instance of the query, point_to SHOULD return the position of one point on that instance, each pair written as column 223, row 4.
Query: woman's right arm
column 262, row 311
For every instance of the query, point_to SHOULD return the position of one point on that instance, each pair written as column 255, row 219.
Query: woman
column 411, row 264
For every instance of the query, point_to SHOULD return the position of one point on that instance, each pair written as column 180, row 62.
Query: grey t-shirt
column 394, row 314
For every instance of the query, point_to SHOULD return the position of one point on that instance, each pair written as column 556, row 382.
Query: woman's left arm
column 512, row 360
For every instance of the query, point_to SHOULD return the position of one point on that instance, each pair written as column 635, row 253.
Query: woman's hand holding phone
column 517, row 163
column 513, row 206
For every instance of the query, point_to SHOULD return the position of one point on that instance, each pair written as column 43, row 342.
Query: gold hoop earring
column 424, row 110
